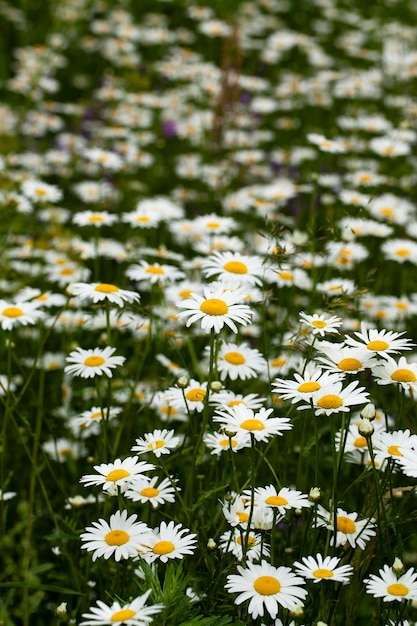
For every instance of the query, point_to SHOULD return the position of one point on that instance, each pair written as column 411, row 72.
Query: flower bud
column 398, row 566
column 365, row 428
column 315, row 494
column 183, row 382
column 369, row 412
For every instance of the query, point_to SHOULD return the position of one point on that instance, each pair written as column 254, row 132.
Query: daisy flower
column 122, row 537
column 281, row 500
column 349, row 528
column 401, row 373
column 400, row 250
column 38, row 191
column 169, row 541
column 390, row 587
column 94, row 218
column 408, row 462
column 18, row 314
column 334, row 398
column 380, row 342
column 321, row 324
column 267, row 588
column 239, row 544
column 215, row 309
column 318, row 569
column 145, row 490
column 88, row 422
column 392, row 445
column 239, row 361
column 230, row 398
column 225, row 265
column 154, row 273
column 99, row 292
column 158, row 442
column 119, row 474
column 135, row 613
column 303, row 387
column 326, row 145
column 220, row 442
column 241, row 419
column 346, row 359
column 92, row 362
column 191, row 397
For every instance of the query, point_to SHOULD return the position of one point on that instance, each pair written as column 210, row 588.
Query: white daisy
column 158, row 442
column 19, row 314
column 390, row 587
column 220, row 442
column 241, row 544
column 349, row 528
column 239, row 361
column 381, row 342
column 282, row 500
column 153, row 273
column 302, row 388
column 145, row 490
column 92, row 362
column 169, row 541
column 225, row 265
column 346, row 359
column 135, row 613
column 94, row 218
column 266, row 587
column 119, row 474
column 321, row 324
column 241, row 419
column 190, row 398
column 402, row 373
column 99, row 292
column 319, row 569
column 335, row 398
column 122, row 537
column 392, row 445
column 215, row 309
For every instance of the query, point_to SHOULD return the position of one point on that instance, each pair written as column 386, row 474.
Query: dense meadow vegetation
column 208, row 312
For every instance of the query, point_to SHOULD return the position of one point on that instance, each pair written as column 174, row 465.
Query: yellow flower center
column 116, row 538
column 323, row 573
column 185, row 293
column 195, row 395
column 394, row 451
column 243, row 517
column 251, row 541
column 67, row 271
column 214, row 306
column 12, row 311
column 402, row 252
column 117, row 474
column 403, row 376
column 345, row 525
column 349, row 364
column 154, row 269
column 387, row 211
column 252, row 424
column 163, row 547
column 168, row 410
column 213, row 225
column 276, row 501
column 94, row 361
column 285, row 275
column 40, row 192
column 226, row 443
column 235, row 267
column 95, row 218
column 397, row 589
column 106, row 288
column 123, row 615
column 319, row 323
column 278, row 362
column 235, row 402
column 96, row 416
column 235, row 358
column 159, row 443
column 377, row 344
column 308, row 387
column 360, row 442
column 149, row 492
column 142, row 218
column 266, row 585
column 330, row 401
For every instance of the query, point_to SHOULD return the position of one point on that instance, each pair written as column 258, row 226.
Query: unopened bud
column 297, row 611
column 315, row 494
column 365, row 428
column 369, row 412
column 397, row 566
column 216, row 386
column 61, row 610
column 211, row 544
column 183, row 382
